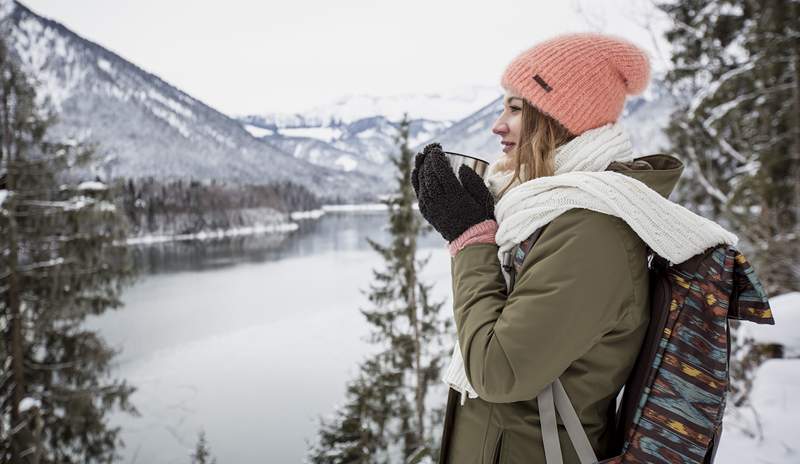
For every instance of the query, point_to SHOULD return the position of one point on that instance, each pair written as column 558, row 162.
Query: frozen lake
column 253, row 338
column 250, row 339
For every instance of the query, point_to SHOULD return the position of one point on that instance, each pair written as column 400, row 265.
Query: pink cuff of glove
column 482, row 232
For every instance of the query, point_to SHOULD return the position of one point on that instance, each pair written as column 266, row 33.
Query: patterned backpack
column 673, row 401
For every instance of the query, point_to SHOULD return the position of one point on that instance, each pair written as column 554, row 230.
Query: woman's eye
column 514, row 108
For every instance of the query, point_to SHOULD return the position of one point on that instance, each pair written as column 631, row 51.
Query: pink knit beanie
column 580, row 80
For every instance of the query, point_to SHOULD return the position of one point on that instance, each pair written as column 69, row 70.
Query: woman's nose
column 500, row 128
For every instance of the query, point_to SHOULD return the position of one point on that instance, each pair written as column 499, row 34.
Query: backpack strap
column 512, row 259
column 547, row 421
column 553, row 397
column 573, row 424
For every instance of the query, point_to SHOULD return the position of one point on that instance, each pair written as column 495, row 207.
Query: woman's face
column 508, row 124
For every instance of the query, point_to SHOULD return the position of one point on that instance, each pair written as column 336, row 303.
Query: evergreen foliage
column 736, row 65
column 183, row 206
column 59, row 265
column 202, row 453
column 386, row 418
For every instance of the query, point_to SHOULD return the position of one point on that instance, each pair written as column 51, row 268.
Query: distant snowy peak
column 452, row 106
column 439, row 107
column 365, row 145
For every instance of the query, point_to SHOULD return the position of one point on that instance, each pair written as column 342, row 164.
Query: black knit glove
column 449, row 206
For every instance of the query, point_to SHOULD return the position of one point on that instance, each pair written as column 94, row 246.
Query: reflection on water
column 249, row 338
column 334, row 231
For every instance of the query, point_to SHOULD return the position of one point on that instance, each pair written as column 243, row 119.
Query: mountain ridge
column 146, row 126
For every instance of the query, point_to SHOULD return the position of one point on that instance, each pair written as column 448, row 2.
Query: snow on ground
column 6, row 7
column 360, row 207
column 326, row 134
column 92, row 185
column 258, row 132
column 346, row 162
column 310, row 214
column 765, row 431
column 786, row 331
column 213, row 234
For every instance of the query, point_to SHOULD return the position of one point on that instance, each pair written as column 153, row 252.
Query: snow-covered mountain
column 473, row 134
column 363, row 145
column 357, row 132
column 147, row 127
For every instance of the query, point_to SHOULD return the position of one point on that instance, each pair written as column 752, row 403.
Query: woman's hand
column 450, row 206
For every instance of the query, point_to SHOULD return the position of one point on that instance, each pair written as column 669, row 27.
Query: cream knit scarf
column 581, row 181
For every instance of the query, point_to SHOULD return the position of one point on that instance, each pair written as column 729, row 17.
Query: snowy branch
column 709, row 188
column 43, row 264
column 726, row 147
column 51, row 366
column 719, row 111
column 712, row 88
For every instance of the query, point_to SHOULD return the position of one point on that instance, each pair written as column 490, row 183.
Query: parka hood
column 660, row 172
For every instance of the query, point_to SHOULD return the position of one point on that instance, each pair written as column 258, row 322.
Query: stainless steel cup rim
column 476, row 164
column 465, row 156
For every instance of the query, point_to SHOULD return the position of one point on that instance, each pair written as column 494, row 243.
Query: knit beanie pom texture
column 579, row 79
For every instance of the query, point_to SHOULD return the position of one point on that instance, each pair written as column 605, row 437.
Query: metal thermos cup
column 457, row 159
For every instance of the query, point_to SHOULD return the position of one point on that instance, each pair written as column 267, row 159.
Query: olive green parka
column 578, row 310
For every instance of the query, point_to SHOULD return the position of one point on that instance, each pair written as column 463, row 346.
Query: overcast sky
column 253, row 56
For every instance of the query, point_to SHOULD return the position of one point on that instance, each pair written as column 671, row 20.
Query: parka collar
column 660, row 172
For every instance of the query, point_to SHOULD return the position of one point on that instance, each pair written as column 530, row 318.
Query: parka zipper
column 498, row 448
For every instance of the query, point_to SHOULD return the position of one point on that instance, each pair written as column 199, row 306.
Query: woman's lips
column 507, row 146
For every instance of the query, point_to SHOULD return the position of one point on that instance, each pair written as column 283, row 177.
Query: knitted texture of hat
column 580, row 79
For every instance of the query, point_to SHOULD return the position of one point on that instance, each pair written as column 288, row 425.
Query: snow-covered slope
column 473, row 134
column 357, row 132
column 145, row 126
column 764, row 430
column 647, row 116
column 363, row 145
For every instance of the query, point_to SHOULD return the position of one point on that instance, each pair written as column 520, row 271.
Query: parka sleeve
column 574, row 286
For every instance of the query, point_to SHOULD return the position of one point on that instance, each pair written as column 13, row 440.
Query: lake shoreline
column 276, row 228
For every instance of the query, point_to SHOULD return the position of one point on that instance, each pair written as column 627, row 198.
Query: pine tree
column 60, row 263
column 387, row 404
column 736, row 64
column 202, row 453
column 403, row 317
column 355, row 432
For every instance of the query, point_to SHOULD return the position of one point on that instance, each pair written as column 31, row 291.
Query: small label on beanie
column 541, row 82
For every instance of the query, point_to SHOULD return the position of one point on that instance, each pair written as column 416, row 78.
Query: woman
column 578, row 310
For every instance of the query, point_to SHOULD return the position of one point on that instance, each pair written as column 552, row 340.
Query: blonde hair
column 534, row 155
